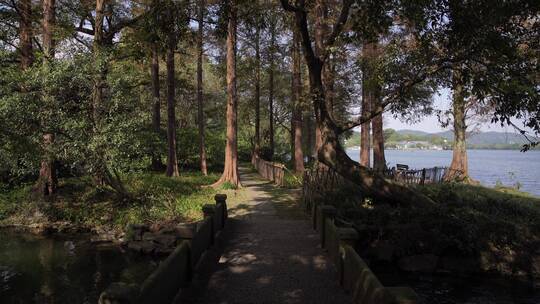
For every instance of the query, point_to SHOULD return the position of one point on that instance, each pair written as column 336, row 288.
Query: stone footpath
column 270, row 254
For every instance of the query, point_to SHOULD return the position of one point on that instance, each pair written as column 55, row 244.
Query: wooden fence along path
column 269, row 170
column 423, row 176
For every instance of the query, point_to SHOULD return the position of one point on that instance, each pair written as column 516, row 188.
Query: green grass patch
column 154, row 198
column 465, row 221
column 292, row 181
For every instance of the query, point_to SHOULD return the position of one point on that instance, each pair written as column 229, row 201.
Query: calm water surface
column 62, row 270
column 487, row 166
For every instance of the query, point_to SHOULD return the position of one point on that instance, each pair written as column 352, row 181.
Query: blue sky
column 431, row 124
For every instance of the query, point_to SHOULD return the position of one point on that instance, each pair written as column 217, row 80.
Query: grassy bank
column 155, row 198
column 497, row 228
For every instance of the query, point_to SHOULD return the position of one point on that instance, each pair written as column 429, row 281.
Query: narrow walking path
column 271, row 254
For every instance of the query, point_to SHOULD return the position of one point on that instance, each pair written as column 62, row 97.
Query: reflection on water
column 62, row 270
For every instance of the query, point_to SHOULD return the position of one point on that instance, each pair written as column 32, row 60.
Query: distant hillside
column 488, row 138
column 482, row 140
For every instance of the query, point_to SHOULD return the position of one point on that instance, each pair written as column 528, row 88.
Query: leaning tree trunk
column 47, row 181
column 230, row 170
column 321, row 31
column 332, row 153
column 172, row 161
column 156, row 109
column 200, row 105
column 459, row 168
column 298, row 154
column 271, row 88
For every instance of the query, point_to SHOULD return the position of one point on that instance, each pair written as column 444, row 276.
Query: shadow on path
column 269, row 254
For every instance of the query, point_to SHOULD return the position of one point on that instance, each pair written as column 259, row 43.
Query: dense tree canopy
column 116, row 68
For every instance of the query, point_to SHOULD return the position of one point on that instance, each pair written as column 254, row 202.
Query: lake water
column 63, row 270
column 487, row 166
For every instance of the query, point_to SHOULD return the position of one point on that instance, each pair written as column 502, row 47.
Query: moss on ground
column 154, row 198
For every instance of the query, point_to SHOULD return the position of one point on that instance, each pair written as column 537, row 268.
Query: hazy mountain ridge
column 405, row 139
column 481, row 138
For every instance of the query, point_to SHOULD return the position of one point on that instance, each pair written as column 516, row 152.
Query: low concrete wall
column 177, row 270
column 202, row 240
column 221, row 199
column 354, row 274
column 332, row 240
column 218, row 218
column 364, row 285
column 172, row 274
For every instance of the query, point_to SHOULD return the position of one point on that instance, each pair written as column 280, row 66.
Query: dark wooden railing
column 422, row 176
column 269, row 170
column 321, row 179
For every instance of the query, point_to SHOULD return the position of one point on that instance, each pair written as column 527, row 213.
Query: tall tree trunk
column 200, row 104
column 379, row 160
column 298, row 154
column 312, row 134
column 156, row 108
column 258, row 89
column 25, row 33
column 47, row 181
column 365, row 138
column 272, row 49
column 310, row 147
column 102, row 174
column 97, row 48
column 230, row 170
column 459, row 168
column 373, row 90
column 321, row 32
column 172, row 161
column 98, row 86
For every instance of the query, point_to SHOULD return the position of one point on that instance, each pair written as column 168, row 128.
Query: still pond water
column 62, row 270
column 487, row 166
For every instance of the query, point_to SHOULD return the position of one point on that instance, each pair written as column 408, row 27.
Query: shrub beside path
column 269, row 254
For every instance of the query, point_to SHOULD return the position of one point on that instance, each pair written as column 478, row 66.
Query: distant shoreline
column 468, row 149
